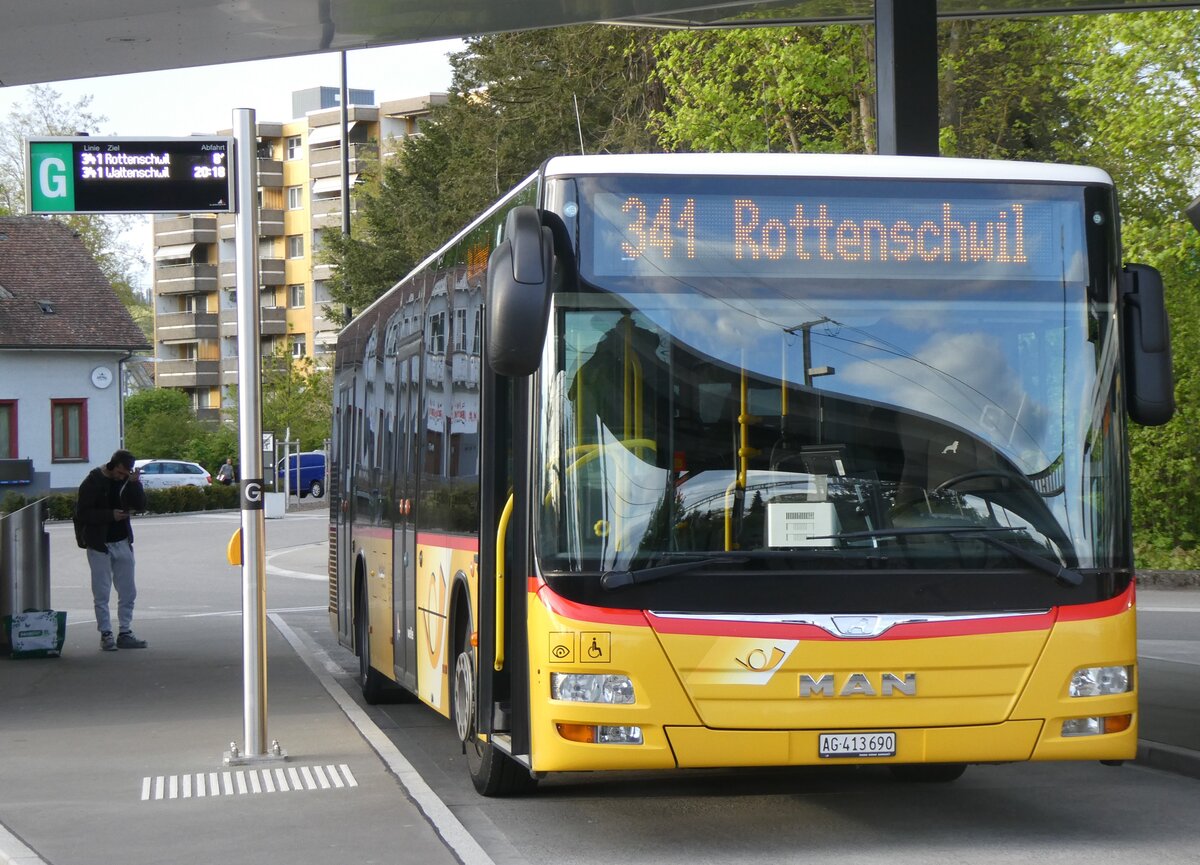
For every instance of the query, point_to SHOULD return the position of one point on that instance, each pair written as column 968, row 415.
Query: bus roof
column 825, row 165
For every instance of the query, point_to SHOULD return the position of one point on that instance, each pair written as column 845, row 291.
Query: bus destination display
column 774, row 236
column 118, row 175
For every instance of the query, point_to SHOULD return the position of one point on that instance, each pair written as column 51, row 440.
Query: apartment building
column 300, row 198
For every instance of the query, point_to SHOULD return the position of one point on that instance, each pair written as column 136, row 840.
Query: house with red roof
column 64, row 339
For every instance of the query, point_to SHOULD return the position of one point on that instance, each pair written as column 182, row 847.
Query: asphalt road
column 1011, row 813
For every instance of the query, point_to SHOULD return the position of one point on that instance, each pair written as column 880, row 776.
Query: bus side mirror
column 518, row 298
column 1150, row 382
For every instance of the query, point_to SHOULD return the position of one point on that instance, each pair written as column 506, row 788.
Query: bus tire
column 928, row 773
column 373, row 684
column 493, row 773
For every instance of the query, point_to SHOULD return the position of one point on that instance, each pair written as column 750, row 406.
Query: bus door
column 406, row 463
column 341, row 502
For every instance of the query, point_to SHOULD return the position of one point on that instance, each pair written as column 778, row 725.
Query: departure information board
column 654, row 232
column 126, row 175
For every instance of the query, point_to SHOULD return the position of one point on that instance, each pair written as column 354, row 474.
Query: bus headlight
column 591, row 688
column 1099, row 681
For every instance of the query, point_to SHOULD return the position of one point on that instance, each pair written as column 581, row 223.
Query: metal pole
column 254, row 590
column 347, row 312
column 906, row 84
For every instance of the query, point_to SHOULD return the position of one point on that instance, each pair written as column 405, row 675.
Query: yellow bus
column 755, row 460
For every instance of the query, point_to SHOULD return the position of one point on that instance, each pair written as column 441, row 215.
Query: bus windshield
column 773, row 391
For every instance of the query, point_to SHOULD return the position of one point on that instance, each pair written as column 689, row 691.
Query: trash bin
column 24, row 562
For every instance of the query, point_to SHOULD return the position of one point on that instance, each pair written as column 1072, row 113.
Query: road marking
column 456, row 836
column 13, row 850
column 246, row 782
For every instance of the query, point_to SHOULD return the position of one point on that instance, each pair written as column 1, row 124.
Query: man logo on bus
column 858, row 685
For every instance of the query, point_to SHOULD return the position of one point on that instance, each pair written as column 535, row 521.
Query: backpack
column 80, row 534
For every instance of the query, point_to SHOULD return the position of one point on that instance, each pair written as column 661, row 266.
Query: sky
column 202, row 99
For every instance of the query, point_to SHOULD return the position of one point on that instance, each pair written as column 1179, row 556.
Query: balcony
column 270, row 273
column 327, row 212
column 175, row 230
column 187, row 373
column 270, row 174
column 229, row 366
column 322, row 271
column 327, row 161
column 171, row 327
column 272, row 321
column 270, row 224
column 185, row 278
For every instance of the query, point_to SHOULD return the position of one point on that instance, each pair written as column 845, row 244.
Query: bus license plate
column 857, row 745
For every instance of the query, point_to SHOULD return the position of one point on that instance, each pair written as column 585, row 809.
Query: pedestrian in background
column 226, row 474
column 107, row 497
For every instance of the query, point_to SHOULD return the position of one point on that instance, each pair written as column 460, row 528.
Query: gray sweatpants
column 113, row 567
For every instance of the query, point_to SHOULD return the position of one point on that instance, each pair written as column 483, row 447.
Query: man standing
column 226, row 474
column 106, row 498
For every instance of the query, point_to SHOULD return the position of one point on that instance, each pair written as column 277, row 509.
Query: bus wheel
column 371, row 680
column 492, row 772
column 928, row 773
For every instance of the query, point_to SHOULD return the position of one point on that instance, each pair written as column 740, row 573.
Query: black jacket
column 95, row 511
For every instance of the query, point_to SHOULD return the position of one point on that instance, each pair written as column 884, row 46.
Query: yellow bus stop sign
column 233, row 552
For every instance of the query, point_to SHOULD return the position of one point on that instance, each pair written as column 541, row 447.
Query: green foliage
column 159, row 423
column 211, row 447
column 513, row 103
column 1138, row 91
column 793, row 89
column 60, row 506
column 297, row 394
column 46, row 112
column 1117, row 91
column 12, row 501
column 1002, row 90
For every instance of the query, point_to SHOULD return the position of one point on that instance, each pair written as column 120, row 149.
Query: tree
column 297, row 395
column 1002, row 88
column 1137, row 94
column 775, row 89
column 516, row 99
column 159, row 424
column 46, row 113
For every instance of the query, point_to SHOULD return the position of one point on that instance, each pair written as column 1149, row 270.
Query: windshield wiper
column 620, row 579
column 1066, row 575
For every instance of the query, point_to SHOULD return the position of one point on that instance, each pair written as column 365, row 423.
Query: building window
column 8, row 429
column 295, row 246
column 295, row 296
column 477, row 335
column 295, row 195
column 460, row 330
column 293, row 147
column 299, row 346
column 68, row 430
column 437, row 333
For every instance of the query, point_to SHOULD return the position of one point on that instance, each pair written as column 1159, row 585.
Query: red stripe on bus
column 780, row 630
column 560, row 606
column 454, row 542
column 1099, row 610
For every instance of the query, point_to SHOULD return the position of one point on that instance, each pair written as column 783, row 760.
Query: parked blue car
column 311, row 477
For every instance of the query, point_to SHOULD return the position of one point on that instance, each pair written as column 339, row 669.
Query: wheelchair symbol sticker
column 594, row 647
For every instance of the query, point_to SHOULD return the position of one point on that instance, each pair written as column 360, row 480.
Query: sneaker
column 107, row 643
column 126, row 640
